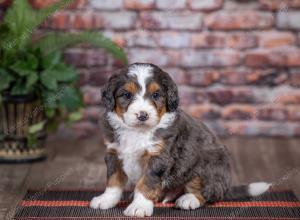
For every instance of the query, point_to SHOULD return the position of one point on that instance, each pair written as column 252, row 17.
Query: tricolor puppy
column 160, row 149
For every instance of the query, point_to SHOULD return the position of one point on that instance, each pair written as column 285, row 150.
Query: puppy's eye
column 155, row 95
column 127, row 95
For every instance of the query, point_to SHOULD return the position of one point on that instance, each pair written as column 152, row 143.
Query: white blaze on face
column 142, row 73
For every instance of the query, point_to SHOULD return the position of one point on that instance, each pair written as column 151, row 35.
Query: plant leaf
column 36, row 127
column 6, row 79
column 21, row 68
column 63, row 73
column 31, row 140
column 75, row 116
column 31, row 80
column 48, row 80
column 32, row 61
column 50, row 112
column 51, row 59
column 71, row 98
column 58, row 41
column 22, row 20
column 50, row 99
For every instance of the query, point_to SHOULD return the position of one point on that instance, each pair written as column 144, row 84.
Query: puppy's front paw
column 140, row 207
column 188, row 201
column 107, row 200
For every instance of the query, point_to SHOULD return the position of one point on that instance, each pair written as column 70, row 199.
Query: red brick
column 277, row 57
column 141, row 38
column 187, row 95
column 208, row 40
column 5, row 3
column 119, row 20
column 203, row 77
column 60, row 20
column 109, row 20
column 293, row 57
column 204, row 111
column 270, row 113
column 240, row 5
column 283, row 56
column 78, row 4
column 269, row 77
column 85, row 21
column 276, row 39
column 241, row 40
column 172, row 39
column 178, row 75
column 263, row 77
column 91, row 95
column 279, row 4
column 92, row 113
column 174, row 20
column 225, row 96
column 41, row 3
column 205, row 5
column 107, row 4
column 238, row 112
column 293, row 112
column 46, row 3
column 286, row 96
column 192, row 58
column 233, row 76
column 295, row 78
column 84, row 77
column 139, row 4
column 99, row 76
column 242, row 20
column 158, row 57
column 86, row 58
column 170, row 4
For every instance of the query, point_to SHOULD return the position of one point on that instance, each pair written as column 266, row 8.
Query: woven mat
column 75, row 205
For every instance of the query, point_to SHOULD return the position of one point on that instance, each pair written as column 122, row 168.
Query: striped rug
column 61, row 204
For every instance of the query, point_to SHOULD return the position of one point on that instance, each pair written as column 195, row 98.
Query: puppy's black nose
column 143, row 116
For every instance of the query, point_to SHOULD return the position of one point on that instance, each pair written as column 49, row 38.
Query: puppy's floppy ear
column 107, row 93
column 172, row 93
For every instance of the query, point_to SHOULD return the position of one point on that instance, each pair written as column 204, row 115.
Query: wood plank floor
column 76, row 164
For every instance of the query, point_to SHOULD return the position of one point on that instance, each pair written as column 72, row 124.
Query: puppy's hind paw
column 188, row 201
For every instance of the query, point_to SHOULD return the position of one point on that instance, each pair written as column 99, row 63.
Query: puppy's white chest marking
column 133, row 144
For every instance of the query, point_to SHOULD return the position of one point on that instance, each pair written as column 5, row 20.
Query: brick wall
column 237, row 63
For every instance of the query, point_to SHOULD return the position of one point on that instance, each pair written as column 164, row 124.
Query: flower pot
column 17, row 114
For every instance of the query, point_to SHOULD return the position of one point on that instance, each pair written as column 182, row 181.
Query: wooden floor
column 76, row 164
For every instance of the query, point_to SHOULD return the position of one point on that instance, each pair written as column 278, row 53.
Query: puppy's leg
column 147, row 191
column 192, row 199
column 144, row 198
column 116, row 181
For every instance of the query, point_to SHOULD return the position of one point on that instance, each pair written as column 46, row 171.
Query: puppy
column 153, row 144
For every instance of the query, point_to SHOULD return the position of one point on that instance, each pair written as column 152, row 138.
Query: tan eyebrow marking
column 153, row 87
column 131, row 87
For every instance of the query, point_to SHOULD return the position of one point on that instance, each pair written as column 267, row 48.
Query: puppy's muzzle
column 142, row 116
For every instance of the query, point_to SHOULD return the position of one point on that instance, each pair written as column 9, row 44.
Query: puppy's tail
column 244, row 191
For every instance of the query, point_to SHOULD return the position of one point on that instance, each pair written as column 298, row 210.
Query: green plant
column 37, row 67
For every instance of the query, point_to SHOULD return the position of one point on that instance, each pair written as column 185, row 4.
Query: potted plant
column 37, row 88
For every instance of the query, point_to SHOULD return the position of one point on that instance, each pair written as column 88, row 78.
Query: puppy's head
column 140, row 95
